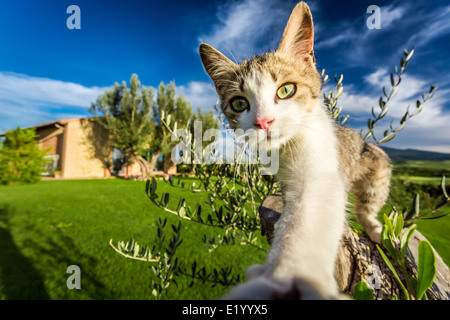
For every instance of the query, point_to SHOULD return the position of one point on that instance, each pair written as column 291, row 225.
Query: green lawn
column 46, row 227
column 50, row 225
column 412, row 177
column 416, row 164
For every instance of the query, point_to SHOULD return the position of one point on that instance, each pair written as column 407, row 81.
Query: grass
column 413, row 176
column 46, row 227
column 50, row 225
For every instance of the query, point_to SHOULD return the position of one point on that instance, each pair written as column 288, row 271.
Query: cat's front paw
column 254, row 271
column 266, row 288
column 375, row 234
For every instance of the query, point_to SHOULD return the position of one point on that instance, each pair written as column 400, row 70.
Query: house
column 80, row 148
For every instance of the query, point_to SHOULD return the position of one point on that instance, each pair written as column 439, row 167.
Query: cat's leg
column 265, row 288
column 372, row 190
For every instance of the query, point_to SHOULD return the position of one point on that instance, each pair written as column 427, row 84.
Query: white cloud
column 356, row 34
column 15, row 87
column 403, row 25
column 390, row 14
column 27, row 101
column 437, row 25
column 200, row 94
column 248, row 27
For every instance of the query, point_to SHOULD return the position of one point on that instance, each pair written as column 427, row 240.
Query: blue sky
column 48, row 72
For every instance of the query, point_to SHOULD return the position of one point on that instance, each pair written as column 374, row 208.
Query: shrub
column 21, row 159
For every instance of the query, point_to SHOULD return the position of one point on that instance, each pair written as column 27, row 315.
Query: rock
column 358, row 259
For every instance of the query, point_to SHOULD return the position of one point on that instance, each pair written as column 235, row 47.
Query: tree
column 21, row 159
column 167, row 104
column 178, row 110
column 126, row 114
column 208, row 120
column 133, row 120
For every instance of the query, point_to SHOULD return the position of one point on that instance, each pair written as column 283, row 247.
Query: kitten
column 320, row 162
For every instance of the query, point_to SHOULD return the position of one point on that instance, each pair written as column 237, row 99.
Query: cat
column 320, row 162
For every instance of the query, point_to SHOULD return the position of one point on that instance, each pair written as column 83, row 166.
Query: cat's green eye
column 286, row 91
column 239, row 104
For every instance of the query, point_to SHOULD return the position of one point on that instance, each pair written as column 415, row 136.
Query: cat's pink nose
column 264, row 123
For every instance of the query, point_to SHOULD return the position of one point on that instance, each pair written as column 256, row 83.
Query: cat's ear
column 215, row 63
column 298, row 36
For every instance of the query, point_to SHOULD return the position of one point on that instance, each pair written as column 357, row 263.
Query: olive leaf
column 427, row 268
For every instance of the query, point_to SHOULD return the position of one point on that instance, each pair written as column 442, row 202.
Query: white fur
column 308, row 233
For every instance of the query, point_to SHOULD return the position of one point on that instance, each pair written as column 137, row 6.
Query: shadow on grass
column 20, row 276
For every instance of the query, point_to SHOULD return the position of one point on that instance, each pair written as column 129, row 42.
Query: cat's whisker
column 232, row 55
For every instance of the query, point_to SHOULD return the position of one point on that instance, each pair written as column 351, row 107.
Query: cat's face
column 273, row 93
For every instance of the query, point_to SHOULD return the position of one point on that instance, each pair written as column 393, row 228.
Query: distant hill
column 412, row 154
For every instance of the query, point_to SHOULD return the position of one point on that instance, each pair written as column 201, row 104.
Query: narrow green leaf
column 386, row 236
column 426, row 197
column 394, row 92
column 427, row 268
column 381, row 103
column 373, row 112
column 147, row 186
column 439, row 215
column 175, row 127
column 340, row 90
column 404, row 242
column 402, row 63
column 391, row 267
column 153, row 186
column 443, row 203
column 398, row 226
column 388, row 138
column 166, row 199
column 388, row 225
column 130, row 245
column 444, row 191
column 417, row 205
column 409, row 55
column 180, row 203
column 383, row 112
column 345, row 119
column 432, row 89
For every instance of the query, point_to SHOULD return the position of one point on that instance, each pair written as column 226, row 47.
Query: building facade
column 80, row 148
